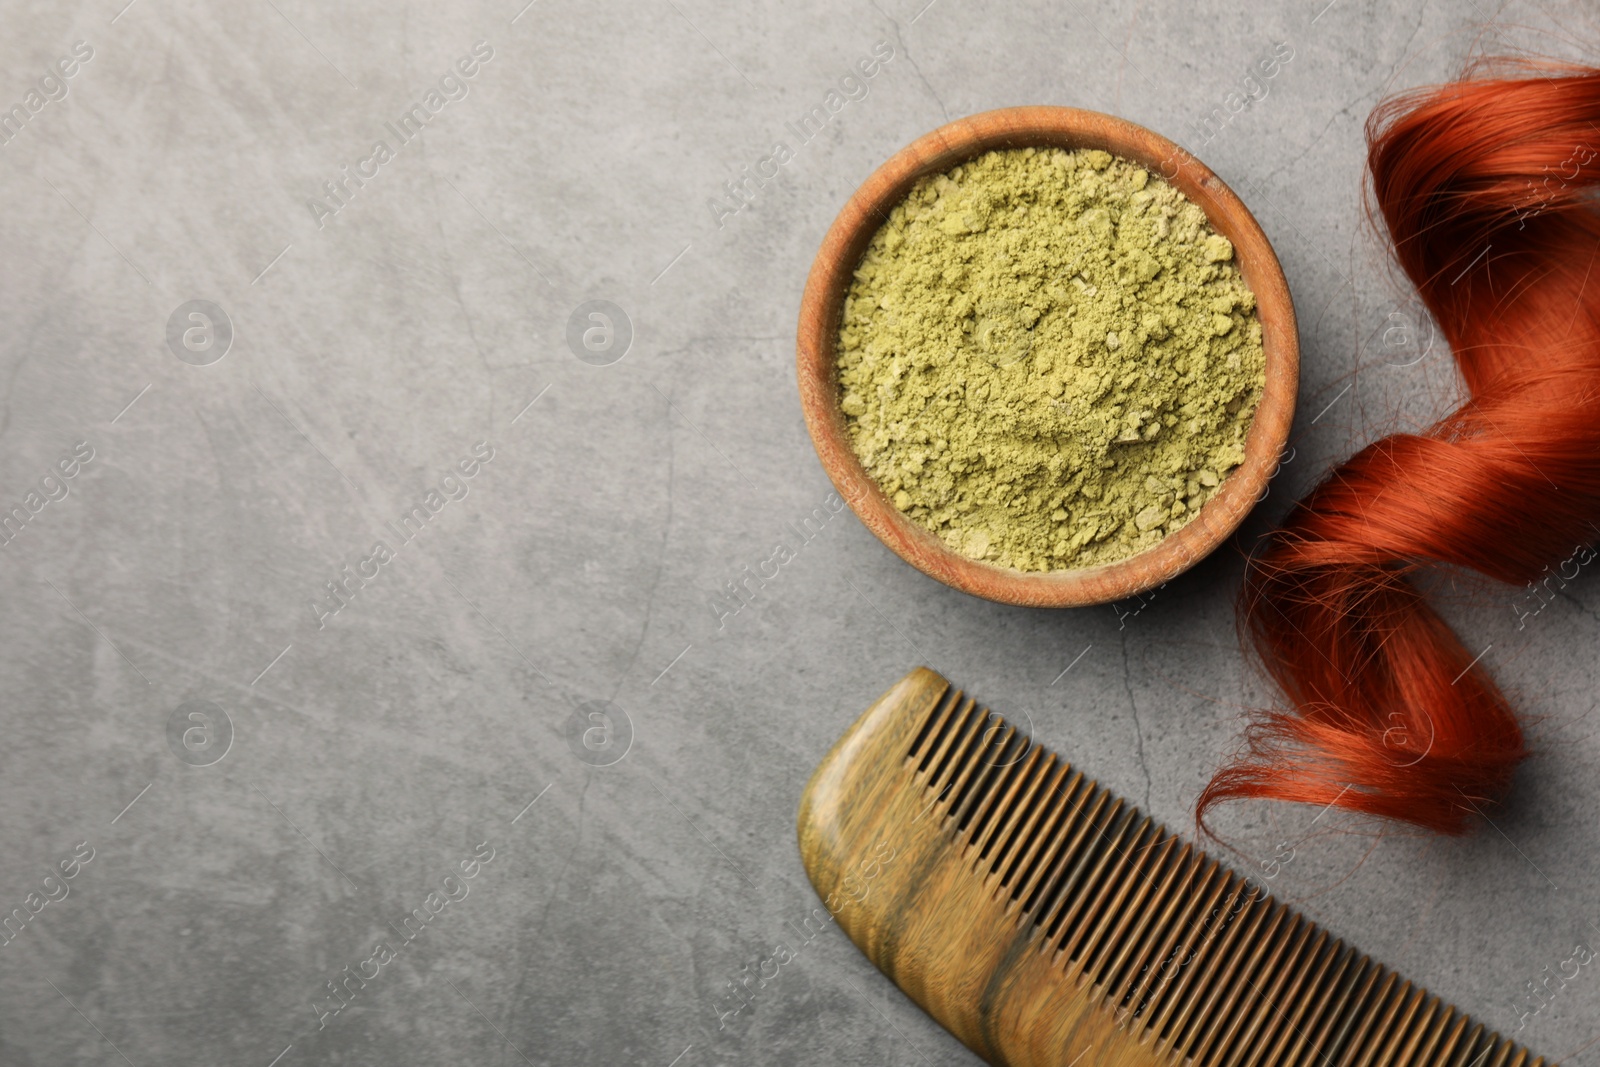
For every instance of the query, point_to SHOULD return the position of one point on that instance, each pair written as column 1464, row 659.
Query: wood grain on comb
column 1046, row 922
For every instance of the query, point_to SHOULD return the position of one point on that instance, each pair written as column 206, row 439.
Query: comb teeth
column 1182, row 949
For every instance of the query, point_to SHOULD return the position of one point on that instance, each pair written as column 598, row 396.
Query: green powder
column 1048, row 358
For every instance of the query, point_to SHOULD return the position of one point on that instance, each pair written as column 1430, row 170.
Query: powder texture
column 1049, row 358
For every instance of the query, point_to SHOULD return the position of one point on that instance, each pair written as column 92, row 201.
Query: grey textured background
column 372, row 754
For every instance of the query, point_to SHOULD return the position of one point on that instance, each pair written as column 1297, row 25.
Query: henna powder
column 1048, row 358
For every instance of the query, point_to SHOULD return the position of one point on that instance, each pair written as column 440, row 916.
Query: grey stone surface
column 347, row 762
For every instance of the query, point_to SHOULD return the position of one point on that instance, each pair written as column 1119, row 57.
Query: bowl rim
column 1056, row 127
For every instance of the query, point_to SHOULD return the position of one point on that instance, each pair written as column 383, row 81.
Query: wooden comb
column 1044, row 921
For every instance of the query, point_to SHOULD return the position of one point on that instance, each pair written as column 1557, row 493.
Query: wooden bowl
column 829, row 281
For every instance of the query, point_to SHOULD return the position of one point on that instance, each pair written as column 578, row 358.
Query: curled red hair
column 1486, row 188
